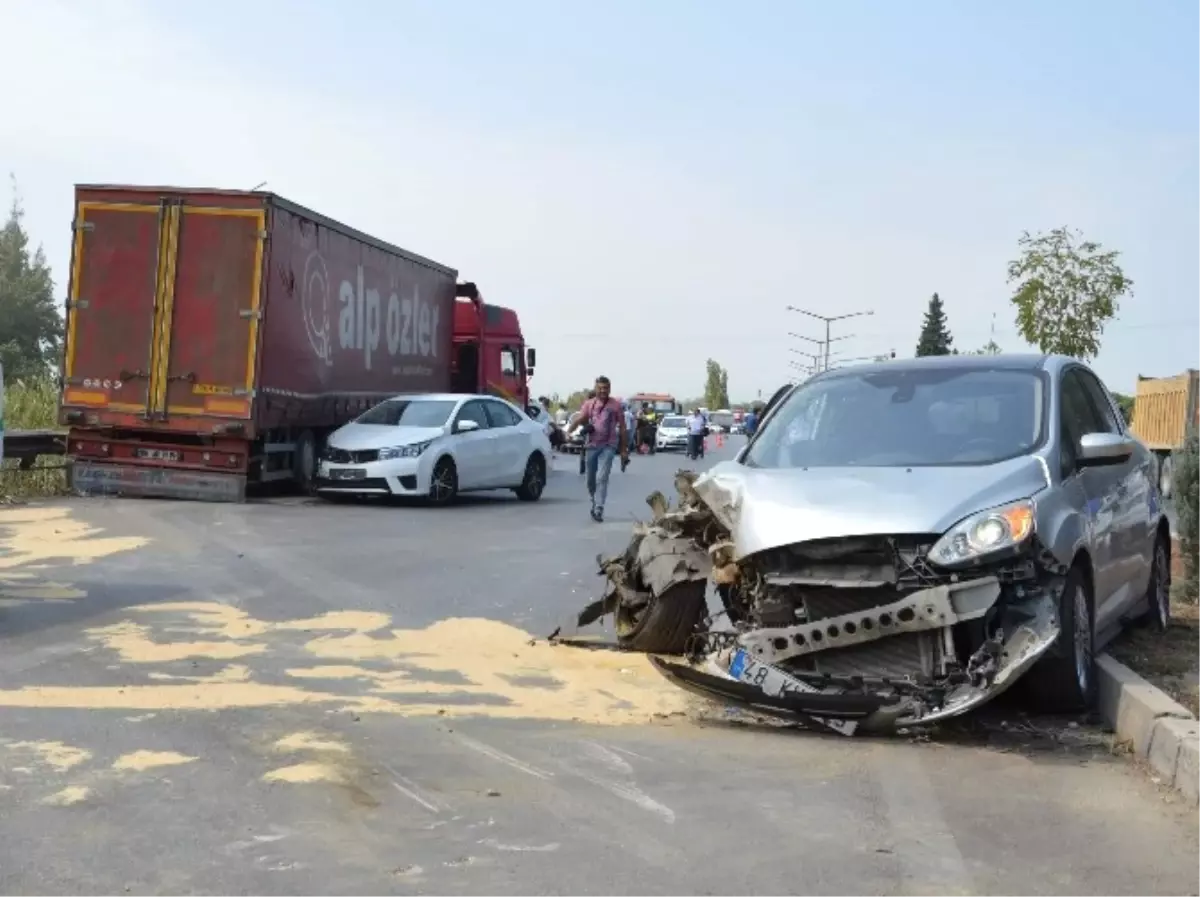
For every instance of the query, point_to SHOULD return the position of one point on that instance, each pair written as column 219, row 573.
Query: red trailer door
column 208, row 331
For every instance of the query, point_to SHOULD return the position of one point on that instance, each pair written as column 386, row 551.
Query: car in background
column 435, row 446
column 672, row 433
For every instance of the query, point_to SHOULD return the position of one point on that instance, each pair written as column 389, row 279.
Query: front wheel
column 443, row 484
column 1064, row 679
column 534, row 483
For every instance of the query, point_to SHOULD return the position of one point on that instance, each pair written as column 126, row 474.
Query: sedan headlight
column 403, row 451
column 984, row 533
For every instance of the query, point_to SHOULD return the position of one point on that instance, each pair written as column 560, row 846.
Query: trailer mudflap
column 100, row 478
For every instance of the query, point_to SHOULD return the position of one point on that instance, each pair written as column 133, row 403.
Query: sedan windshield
column 903, row 418
column 409, row 413
column 673, row 423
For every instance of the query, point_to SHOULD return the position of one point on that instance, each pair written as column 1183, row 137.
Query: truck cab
column 490, row 355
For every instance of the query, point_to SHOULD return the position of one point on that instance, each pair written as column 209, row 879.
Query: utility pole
column 829, row 320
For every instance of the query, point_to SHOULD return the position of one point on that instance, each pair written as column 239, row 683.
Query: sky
column 651, row 185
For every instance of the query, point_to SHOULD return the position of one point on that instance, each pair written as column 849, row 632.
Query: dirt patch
column 1168, row 659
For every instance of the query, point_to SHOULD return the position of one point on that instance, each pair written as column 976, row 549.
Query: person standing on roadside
column 604, row 437
column 697, row 426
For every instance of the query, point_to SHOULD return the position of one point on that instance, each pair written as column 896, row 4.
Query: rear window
column 409, row 413
column 673, row 422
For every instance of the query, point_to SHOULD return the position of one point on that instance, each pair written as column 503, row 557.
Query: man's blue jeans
column 599, row 466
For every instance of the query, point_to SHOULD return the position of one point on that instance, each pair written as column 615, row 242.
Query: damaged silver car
column 901, row 542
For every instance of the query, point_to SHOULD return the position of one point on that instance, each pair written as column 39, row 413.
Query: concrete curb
column 1160, row 730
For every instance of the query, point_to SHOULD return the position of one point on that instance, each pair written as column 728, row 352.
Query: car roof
column 1012, row 362
column 443, row 396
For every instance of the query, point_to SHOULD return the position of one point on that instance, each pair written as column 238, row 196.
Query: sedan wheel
column 1158, row 594
column 534, row 483
column 443, row 485
column 1063, row 680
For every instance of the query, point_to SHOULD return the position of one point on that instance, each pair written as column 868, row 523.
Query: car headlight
column 985, row 533
column 403, row 451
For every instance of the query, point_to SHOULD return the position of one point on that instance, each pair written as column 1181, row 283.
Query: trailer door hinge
column 241, row 391
column 249, row 313
column 83, row 226
column 77, row 303
column 264, row 234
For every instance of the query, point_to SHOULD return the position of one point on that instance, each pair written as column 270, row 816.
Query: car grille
column 341, row 456
column 367, row 484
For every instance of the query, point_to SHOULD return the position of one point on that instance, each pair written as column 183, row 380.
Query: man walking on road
column 604, row 436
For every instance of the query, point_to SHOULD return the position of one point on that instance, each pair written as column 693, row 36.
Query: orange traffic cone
column 720, row 440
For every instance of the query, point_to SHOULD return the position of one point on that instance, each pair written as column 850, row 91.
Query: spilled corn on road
column 294, row 697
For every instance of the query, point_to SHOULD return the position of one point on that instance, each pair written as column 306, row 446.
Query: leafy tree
column 935, row 334
column 30, row 325
column 989, row 348
column 716, row 386
column 576, row 399
column 1186, row 492
column 1066, row 289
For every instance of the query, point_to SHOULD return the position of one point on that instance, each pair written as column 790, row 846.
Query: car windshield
column 675, row 422
column 409, row 413
column 902, row 418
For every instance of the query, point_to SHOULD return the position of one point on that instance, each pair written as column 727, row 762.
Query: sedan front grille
column 341, row 456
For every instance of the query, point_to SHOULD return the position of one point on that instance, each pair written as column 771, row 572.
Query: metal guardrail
column 27, row 445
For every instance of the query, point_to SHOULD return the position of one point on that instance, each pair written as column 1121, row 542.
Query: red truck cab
column 489, row 355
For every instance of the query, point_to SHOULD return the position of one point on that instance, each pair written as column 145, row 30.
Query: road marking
column 520, row 848
column 410, row 790
column 501, row 757
column 629, row 792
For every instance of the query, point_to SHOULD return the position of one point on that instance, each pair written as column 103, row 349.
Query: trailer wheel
column 1166, row 474
column 304, row 461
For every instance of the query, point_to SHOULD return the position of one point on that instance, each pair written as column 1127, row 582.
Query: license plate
column 772, row 681
column 158, row 454
column 347, row 473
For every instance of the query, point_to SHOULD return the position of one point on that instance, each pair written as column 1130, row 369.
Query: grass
column 1168, row 659
column 32, row 405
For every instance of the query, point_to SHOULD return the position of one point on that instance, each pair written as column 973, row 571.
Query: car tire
column 1158, row 592
column 443, row 482
column 665, row 624
column 534, row 483
column 1166, row 474
column 1064, row 679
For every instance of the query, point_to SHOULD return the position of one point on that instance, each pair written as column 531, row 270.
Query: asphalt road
column 295, row 697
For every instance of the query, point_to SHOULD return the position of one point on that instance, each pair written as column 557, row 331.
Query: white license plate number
column 158, row 454
column 347, row 473
column 774, row 682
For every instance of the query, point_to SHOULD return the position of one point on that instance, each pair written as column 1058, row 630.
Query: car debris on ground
column 855, row 634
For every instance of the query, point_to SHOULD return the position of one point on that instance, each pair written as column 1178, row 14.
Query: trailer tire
column 304, row 462
column 666, row 623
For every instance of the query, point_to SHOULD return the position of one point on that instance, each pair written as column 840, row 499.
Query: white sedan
column 435, row 446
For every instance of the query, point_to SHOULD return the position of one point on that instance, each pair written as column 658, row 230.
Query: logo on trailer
column 314, row 301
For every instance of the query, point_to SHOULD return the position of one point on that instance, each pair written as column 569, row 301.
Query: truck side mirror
column 530, row 358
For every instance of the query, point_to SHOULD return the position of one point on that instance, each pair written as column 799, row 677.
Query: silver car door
column 1099, row 487
column 507, row 463
column 1133, row 542
column 472, row 448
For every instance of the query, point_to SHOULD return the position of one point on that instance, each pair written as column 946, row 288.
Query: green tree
column 1185, row 489
column 991, row 347
column 1066, row 289
column 716, row 386
column 935, row 335
column 576, row 399
column 1125, row 403
column 30, row 326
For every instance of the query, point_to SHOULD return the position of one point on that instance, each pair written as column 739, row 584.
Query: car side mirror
column 466, row 426
column 1099, row 449
column 530, row 358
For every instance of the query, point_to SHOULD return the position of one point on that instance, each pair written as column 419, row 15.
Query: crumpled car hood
column 764, row 509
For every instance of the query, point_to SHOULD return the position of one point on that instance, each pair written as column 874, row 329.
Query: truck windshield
column 409, row 413
column 904, row 418
column 664, row 407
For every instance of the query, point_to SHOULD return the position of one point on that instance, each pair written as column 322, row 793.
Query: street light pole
column 828, row 319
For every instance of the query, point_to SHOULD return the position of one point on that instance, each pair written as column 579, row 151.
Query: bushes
column 32, row 405
column 1185, row 487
